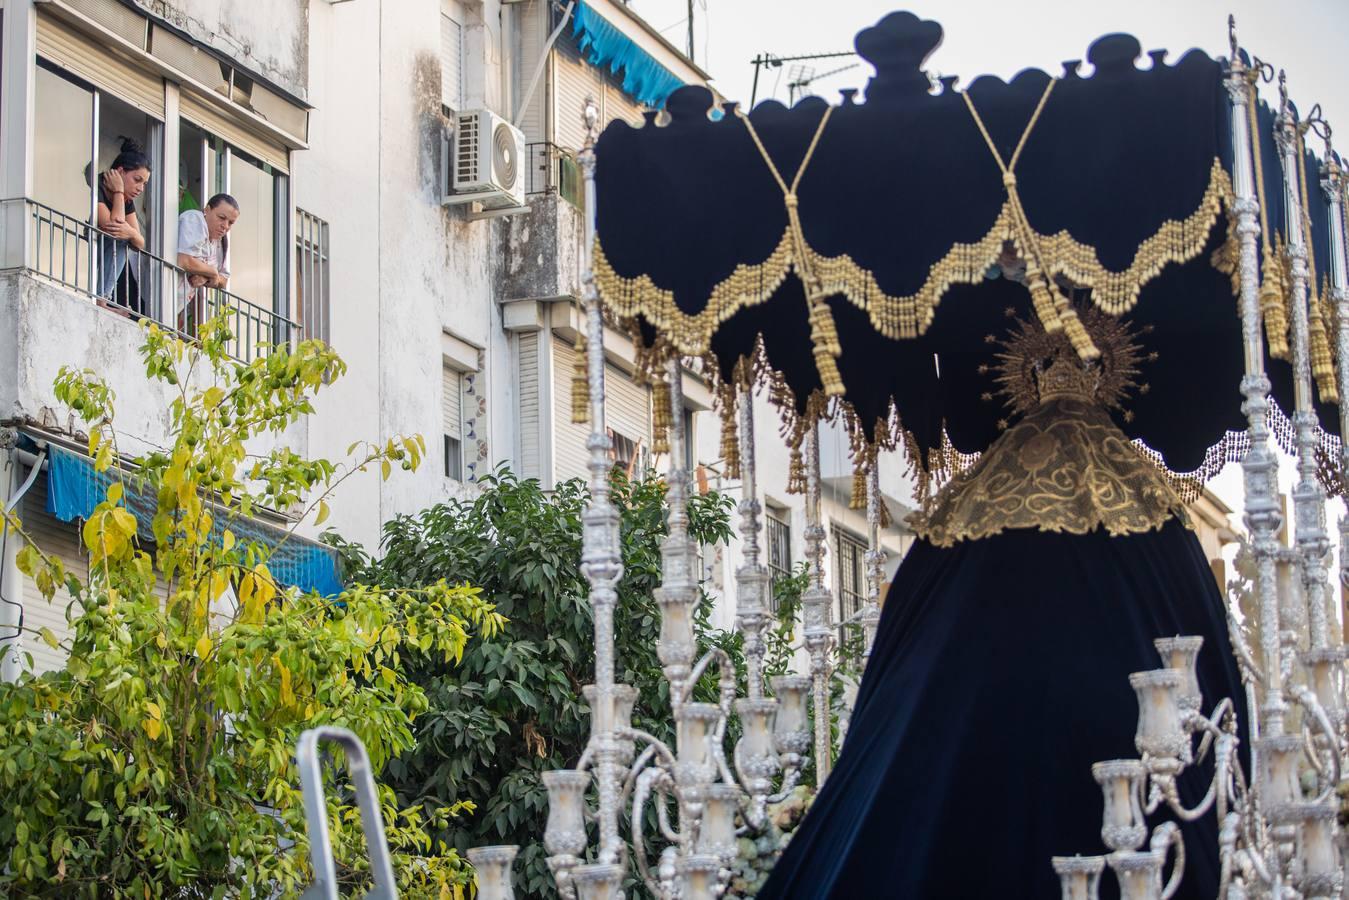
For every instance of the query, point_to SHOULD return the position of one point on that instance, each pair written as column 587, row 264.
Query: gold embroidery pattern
column 907, row 316
column 1064, row 468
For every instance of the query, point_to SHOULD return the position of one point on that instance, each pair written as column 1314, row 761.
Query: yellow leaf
column 153, row 728
column 103, row 458
column 211, row 399
column 227, row 542
column 203, row 646
column 49, row 638
column 94, row 437
column 115, row 492
column 220, row 580
column 161, row 642
column 323, row 513
column 386, row 469
column 125, row 522
column 287, row 695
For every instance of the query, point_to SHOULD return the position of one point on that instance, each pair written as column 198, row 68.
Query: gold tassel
column 824, row 336
column 730, row 442
column 885, row 515
column 859, row 487
column 796, row 473
column 1322, row 363
column 1273, row 304
column 662, row 420
column 580, row 384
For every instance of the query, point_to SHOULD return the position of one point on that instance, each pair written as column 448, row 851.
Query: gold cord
column 1052, row 307
column 823, row 334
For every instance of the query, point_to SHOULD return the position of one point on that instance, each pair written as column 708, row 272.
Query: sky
column 1001, row 37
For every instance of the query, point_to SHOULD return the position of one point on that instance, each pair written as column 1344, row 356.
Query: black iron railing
column 552, row 169
column 137, row 284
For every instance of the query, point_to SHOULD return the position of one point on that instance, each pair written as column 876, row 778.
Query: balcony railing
column 139, row 285
column 552, row 169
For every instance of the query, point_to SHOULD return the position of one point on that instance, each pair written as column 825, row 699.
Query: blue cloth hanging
column 607, row 47
column 74, row 489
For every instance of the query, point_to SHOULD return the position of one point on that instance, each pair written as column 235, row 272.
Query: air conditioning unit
column 489, row 161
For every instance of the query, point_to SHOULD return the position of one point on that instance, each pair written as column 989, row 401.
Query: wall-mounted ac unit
column 489, row 161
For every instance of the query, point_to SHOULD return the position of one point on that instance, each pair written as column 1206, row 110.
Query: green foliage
column 158, row 763
column 513, row 708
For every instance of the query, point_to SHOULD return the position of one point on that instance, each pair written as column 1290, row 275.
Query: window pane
column 118, row 121
column 63, row 117
column 196, row 156
column 252, row 245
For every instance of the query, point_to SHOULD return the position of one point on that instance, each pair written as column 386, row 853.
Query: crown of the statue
column 1065, row 376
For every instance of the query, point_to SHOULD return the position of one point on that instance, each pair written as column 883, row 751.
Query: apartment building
column 342, row 127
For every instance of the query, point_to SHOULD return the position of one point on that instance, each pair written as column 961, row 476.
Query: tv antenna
column 773, row 61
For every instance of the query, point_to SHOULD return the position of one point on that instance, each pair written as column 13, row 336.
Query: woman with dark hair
column 119, row 228
column 203, row 255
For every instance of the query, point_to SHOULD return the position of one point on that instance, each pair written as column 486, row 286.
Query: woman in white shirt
column 203, row 255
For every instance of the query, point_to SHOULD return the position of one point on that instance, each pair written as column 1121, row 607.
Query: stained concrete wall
column 269, row 37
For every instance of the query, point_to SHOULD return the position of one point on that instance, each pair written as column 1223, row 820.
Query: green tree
column 158, row 763
column 513, row 708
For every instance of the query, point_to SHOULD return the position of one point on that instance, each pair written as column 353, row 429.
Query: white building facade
column 335, row 123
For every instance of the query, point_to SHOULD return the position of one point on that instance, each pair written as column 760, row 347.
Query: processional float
column 857, row 262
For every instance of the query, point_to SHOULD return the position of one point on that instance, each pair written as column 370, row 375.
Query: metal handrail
column 316, row 814
column 65, row 249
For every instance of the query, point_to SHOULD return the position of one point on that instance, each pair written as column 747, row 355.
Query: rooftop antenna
column 772, row 60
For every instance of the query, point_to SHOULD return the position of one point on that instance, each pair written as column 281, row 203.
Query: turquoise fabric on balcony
column 74, row 489
column 607, row 47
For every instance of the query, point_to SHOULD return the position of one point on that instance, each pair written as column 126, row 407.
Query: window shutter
column 576, row 81
column 451, row 403
column 529, row 405
column 204, row 114
column 451, row 60
column 60, row 540
column 533, row 35
column 80, row 55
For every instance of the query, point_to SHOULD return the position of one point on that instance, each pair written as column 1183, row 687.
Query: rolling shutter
column 533, row 34
column 528, row 386
column 84, row 57
column 575, row 80
column 451, row 58
column 451, row 403
column 618, row 105
column 60, row 540
column 627, row 410
column 205, row 115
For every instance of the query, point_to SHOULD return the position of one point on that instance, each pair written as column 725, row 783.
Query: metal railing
column 553, row 169
column 139, row 285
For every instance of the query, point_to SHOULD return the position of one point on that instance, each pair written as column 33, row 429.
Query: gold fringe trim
column 1274, row 299
column 580, row 384
column 796, row 472
column 730, row 438
column 908, row 316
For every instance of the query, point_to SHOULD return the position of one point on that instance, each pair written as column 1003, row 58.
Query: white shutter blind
column 60, row 44
column 202, row 113
column 618, row 105
column 56, row 539
column 533, row 30
column 528, row 382
column 627, row 406
column 451, row 403
column 451, row 59
column 575, row 81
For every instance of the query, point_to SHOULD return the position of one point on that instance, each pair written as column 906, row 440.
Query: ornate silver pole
column 817, row 606
column 751, row 579
column 1313, row 544
column 678, row 593
column 1332, row 182
column 871, row 612
column 601, row 552
column 1260, row 466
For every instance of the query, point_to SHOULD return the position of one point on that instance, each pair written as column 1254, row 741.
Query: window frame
column 850, row 599
column 313, row 268
column 450, row 442
column 777, row 537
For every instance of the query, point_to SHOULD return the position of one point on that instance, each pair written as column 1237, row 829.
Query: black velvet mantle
column 999, row 675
